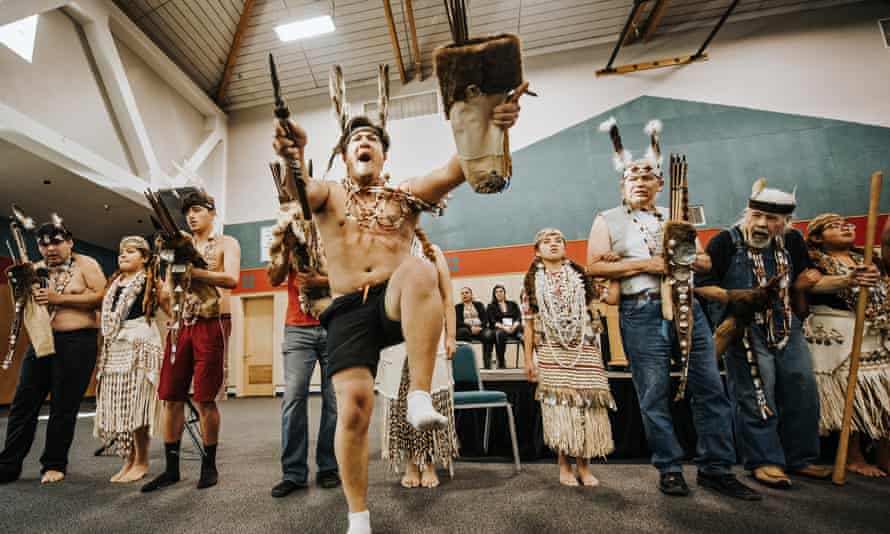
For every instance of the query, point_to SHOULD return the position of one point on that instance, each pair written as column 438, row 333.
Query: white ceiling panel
column 198, row 34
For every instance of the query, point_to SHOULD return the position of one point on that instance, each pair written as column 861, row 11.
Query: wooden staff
column 840, row 462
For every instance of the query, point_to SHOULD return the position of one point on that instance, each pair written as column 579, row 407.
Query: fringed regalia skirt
column 829, row 333
column 575, row 400
column 401, row 441
column 128, row 387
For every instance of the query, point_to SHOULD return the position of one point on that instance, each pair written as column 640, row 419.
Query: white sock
column 421, row 414
column 359, row 523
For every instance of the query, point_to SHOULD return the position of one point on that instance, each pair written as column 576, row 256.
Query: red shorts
column 200, row 352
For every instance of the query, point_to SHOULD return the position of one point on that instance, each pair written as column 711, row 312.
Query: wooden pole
column 415, row 46
column 840, row 462
column 396, row 50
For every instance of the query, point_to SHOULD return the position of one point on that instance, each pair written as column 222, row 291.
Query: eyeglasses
column 840, row 226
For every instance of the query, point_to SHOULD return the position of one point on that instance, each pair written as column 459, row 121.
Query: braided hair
column 425, row 243
column 529, row 282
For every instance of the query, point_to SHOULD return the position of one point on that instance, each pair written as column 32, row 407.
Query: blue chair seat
column 479, row 397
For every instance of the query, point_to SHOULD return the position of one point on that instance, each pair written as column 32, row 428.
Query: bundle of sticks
column 22, row 274
column 176, row 249
column 680, row 252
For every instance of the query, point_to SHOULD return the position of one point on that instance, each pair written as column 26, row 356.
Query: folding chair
column 466, row 371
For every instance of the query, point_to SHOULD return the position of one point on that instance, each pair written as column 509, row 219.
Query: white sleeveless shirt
column 629, row 242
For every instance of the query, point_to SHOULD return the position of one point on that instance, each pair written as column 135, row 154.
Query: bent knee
column 420, row 273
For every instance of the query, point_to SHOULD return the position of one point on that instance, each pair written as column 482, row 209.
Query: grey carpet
column 482, row 498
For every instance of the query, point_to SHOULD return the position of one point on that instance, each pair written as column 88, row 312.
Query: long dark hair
column 529, row 283
column 494, row 290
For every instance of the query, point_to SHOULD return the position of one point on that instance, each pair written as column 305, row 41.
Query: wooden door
column 258, row 352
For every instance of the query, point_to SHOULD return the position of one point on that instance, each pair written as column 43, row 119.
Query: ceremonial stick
column 840, row 461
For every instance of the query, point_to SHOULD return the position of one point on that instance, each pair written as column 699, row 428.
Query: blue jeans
column 302, row 347
column 648, row 342
column 789, row 438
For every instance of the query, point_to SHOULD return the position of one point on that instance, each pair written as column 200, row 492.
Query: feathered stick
column 622, row 157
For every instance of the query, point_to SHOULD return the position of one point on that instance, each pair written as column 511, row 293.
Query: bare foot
column 567, row 478
column 429, row 479
column 120, row 474
column 587, row 478
column 866, row 469
column 412, row 476
column 136, row 472
column 51, row 477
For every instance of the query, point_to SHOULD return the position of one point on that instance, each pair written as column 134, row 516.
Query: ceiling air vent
column 697, row 215
column 406, row 107
column 884, row 24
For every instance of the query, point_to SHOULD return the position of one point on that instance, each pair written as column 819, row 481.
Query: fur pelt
column 491, row 63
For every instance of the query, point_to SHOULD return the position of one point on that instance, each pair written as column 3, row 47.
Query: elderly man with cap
column 201, row 346
column 74, row 291
column 760, row 271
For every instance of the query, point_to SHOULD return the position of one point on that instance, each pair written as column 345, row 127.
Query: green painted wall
column 563, row 180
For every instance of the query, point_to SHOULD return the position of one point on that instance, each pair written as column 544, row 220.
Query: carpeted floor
column 482, row 497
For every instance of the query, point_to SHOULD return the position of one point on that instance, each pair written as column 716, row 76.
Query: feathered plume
column 758, row 186
column 337, row 87
column 26, row 222
column 622, row 157
column 653, row 129
column 382, row 93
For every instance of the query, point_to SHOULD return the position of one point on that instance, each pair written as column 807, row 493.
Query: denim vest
column 740, row 275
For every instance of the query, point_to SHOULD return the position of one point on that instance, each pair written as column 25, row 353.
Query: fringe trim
column 871, row 406
column 402, row 443
column 588, row 398
column 128, row 400
column 577, row 432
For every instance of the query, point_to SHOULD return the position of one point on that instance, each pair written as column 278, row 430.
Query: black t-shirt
column 721, row 250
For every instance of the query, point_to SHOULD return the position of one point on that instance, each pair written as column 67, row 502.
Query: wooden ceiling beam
column 233, row 51
column 654, row 20
column 415, row 45
column 396, row 49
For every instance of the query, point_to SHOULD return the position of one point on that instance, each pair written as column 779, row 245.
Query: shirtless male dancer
column 76, row 285
column 382, row 295
column 202, row 343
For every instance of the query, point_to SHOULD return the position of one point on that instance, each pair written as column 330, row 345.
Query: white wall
column 174, row 126
column 60, row 89
column 828, row 63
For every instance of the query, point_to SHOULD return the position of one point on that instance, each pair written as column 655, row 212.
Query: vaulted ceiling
column 199, row 34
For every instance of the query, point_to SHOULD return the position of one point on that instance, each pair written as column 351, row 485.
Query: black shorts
column 358, row 331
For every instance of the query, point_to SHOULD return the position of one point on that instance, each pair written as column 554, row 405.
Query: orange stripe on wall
column 516, row 258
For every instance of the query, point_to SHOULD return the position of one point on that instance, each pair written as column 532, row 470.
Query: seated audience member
column 505, row 318
column 472, row 324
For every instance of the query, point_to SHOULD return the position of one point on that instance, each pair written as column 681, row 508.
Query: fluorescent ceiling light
column 19, row 36
column 303, row 29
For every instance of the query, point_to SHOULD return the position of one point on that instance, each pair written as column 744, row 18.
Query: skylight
column 303, row 29
column 19, row 36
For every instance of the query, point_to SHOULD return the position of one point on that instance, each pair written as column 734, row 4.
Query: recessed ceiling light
column 47, row 181
column 139, row 221
column 303, row 29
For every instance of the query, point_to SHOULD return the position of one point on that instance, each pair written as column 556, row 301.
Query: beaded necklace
column 60, row 277
column 563, row 309
column 116, row 310
column 372, row 214
column 776, row 339
column 652, row 239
